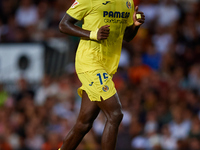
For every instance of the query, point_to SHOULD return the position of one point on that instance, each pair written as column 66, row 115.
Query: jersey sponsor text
column 116, row 14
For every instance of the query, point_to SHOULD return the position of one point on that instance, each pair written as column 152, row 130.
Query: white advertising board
column 21, row 60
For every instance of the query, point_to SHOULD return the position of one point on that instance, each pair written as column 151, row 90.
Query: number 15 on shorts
column 105, row 77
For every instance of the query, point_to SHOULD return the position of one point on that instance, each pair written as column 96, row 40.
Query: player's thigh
column 89, row 109
column 111, row 106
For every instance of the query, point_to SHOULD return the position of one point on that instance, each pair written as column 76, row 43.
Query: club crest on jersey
column 105, row 88
column 74, row 4
column 128, row 4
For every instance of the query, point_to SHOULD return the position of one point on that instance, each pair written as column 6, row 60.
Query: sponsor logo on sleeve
column 74, row 4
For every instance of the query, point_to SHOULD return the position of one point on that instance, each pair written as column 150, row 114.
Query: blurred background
column 158, row 80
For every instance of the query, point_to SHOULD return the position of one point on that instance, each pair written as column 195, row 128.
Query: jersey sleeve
column 79, row 9
column 130, row 18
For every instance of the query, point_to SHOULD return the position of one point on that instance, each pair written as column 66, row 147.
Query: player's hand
column 138, row 21
column 103, row 32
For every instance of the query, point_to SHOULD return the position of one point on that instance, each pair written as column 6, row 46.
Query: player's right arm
column 67, row 26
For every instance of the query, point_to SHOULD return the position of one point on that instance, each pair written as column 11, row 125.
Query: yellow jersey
column 103, row 54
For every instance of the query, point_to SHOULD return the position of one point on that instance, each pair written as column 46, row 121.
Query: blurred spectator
column 194, row 77
column 38, row 31
column 151, row 124
column 124, row 138
column 168, row 13
column 150, row 130
column 140, row 143
column 194, row 144
column 3, row 95
column 33, row 140
column 26, row 14
column 179, row 126
column 138, row 71
column 65, row 92
column 3, row 30
column 152, row 58
column 195, row 129
column 167, row 141
column 7, row 9
column 53, row 142
column 4, row 144
column 162, row 40
column 124, row 59
column 99, row 125
column 23, row 90
column 48, row 89
column 182, row 145
column 150, row 10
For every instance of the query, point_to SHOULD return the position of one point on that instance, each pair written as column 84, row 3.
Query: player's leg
column 112, row 110
column 88, row 112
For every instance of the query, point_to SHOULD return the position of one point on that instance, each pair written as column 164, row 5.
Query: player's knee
column 116, row 117
column 83, row 127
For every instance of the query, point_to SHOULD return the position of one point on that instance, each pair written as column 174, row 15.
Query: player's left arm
column 131, row 31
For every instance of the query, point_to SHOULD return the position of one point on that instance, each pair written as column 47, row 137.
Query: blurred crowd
column 158, row 81
column 31, row 20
